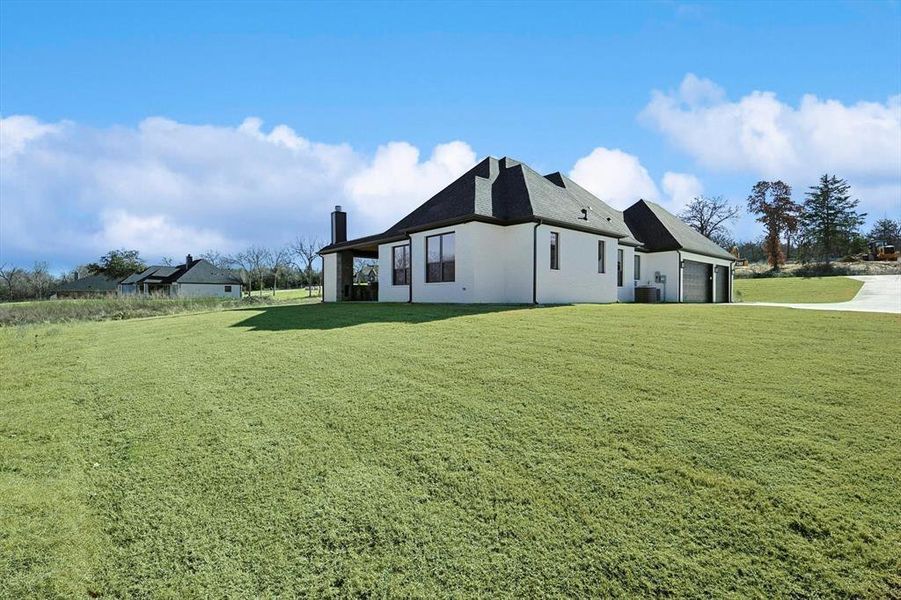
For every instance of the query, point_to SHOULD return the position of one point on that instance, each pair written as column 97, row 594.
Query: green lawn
column 351, row 450
column 292, row 293
column 797, row 289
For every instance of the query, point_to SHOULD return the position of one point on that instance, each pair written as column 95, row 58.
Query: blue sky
column 547, row 83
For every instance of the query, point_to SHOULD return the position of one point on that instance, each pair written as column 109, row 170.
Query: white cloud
column 696, row 91
column 614, row 176
column 681, row 189
column 396, row 181
column 18, row 130
column 759, row 134
column 619, row 179
column 158, row 235
column 70, row 192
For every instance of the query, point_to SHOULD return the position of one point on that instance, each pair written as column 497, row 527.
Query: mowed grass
column 797, row 289
column 288, row 294
column 433, row 451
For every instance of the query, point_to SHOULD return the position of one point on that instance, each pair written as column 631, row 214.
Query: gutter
column 409, row 283
column 321, row 280
column 535, row 261
column 679, row 289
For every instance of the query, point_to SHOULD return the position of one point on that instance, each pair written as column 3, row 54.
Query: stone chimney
column 339, row 225
column 188, row 260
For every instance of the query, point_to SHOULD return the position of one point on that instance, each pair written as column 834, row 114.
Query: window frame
column 636, row 267
column 407, row 270
column 554, row 248
column 443, row 278
column 620, row 266
column 602, row 256
column 227, row 289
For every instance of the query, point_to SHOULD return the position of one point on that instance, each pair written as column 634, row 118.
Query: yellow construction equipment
column 879, row 250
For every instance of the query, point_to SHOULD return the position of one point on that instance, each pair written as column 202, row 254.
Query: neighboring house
column 367, row 274
column 93, row 285
column 192, row 279
column 503, row 233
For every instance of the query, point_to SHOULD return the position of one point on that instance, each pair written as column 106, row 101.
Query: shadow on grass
column 350, row 314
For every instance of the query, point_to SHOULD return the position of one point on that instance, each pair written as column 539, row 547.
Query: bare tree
column 217, row 259
column 306, row 248
column 361, row 263
column 167, row 260
column 709, row 215
column 252, row 261
column 41, row 279
column 9, row 274
column 242, row 265
column 278, row 260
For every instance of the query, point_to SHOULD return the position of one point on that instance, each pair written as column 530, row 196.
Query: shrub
column 821, row 270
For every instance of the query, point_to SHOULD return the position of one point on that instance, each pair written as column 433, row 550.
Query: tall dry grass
column 119, row 307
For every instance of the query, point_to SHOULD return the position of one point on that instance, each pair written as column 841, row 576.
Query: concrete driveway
column 880, row 293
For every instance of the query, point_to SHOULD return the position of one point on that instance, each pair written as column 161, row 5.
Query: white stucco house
column 193, row 279
column 503, row 233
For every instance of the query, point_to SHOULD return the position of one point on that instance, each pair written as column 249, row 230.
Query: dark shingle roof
column 136, row 277
column 155, row 274
column 203, row 271
column 199, row 271
column 92, row 283
column 659, row 229
column 165, row 272
column 508, row 191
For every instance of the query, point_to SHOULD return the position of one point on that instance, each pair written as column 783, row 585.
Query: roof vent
column 584, row 216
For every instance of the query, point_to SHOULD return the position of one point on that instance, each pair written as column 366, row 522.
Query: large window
column 439, row 250
column 400, row 260
column 619, row 268
column 637, row 274
column 555, row 250
column 602, row 252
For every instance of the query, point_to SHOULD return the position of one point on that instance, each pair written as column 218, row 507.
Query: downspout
column 679, row 289
column 410, row 283
column 321, row 280
column 731, row 275
column 535, row 262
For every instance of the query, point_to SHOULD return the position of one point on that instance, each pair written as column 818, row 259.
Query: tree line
column 824, row 226
column 291, row 265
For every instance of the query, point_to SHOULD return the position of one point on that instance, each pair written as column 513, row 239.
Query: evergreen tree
column 887, row 231
column 829, row 221
column 772, row 201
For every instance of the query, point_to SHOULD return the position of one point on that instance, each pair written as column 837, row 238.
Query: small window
column 555, row 250
column 228, row 288
column 619, row 268
column 637, row 267
column 400, row 260
column 602, row 252
column 440, row 258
